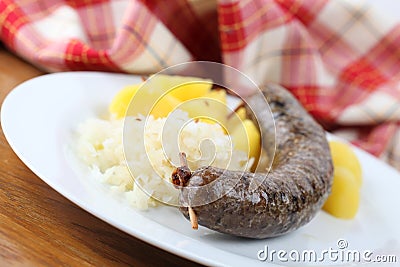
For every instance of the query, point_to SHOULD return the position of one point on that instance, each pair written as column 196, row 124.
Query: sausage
column 287, row 197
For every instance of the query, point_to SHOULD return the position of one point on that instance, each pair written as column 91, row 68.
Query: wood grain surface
column 39, row 227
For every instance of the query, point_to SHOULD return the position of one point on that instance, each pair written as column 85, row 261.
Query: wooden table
column 39, row 227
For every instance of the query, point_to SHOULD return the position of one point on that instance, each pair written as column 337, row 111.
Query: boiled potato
column 246, row 137
column 344, row 199
column 240, row 128
column 164, row 106
column 345, row 196
column 159, row 95
column 235, row 119
column 181, row 87
column 121, row 101
column 344, row 156
column 241, row 112
column 210, row 108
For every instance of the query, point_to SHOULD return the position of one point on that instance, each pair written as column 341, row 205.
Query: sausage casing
column 289, row 195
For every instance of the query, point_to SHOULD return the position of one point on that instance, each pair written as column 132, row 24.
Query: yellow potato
column 155, row 93
column 131, row 102
column 121, row 100
column 246, row 137
column 219, row 95
column 212, row 105
column 190, row 91
column 236, row 119
column 164, row 106
column 344, row 199
column 180, row 87
column 344, row 156
column 241, row 112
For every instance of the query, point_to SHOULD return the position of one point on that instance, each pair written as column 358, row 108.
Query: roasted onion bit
column 182, row 174
column 180, row 177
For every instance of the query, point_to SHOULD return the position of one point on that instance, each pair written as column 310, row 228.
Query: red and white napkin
column 340, row 58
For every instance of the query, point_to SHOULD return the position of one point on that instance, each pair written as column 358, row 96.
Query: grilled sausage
column 287, row 197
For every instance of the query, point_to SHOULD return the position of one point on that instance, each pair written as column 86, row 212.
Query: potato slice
column 180, row 87
column 241, row 112
column 160, row 94
column 344, row 156
column 344, row 199
column 119, row 104
column 164, row 106
column 234, row 120
column 246, row 137
column 210, row 108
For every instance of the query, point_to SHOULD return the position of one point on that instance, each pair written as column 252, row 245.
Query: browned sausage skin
column 292, row 192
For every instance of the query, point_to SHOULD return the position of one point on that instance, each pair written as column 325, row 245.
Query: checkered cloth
column 340, row 58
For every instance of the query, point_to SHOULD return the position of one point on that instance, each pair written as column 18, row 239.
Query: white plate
column 39, row 116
